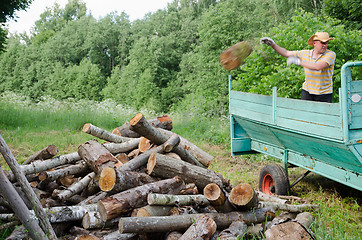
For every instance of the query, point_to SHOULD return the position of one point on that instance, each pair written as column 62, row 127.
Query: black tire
column 273, row 179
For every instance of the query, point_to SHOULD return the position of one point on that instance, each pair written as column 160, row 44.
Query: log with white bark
column 8, row 192
column 103, row 134
column 79, row 168
column 162, row 166
column 148, row 211
column 141, row 126
column 126, row 201
column 116, row 180
column 236, row 230
column 25, row 186
column 163, row 122
column 203, row 157
column 179, row 200
column 119, row 236
column 289, row 207
column 92, row 220
column 96, row 156
column 75, row 188
column 204, row 227
column 142, row 159
column 179, row 222
column 116, row 148
column 45, row 153
column 243, row 197
column 270, row 198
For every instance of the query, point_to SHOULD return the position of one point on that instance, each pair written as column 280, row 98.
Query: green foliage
column 265, row 69
column 349, row 11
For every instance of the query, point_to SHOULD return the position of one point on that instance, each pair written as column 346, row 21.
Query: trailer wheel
column 273, row 179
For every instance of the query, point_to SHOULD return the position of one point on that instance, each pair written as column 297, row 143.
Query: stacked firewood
column 143, row 182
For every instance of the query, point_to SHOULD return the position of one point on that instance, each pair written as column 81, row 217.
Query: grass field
column 27, row 128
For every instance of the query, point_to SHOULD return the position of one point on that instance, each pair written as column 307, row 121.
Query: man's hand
column 293, row 60
column 267, row 41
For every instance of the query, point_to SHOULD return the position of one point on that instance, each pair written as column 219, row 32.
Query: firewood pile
column 143, row 182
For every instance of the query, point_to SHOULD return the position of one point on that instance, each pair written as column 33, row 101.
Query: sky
column 136, row 9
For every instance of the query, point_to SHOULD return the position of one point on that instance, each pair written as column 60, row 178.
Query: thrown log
column 103, row 134
column 203, row 228
column 141, row 126
column 162, row 166
column 96, row 156
column 45, row 153
column 236, row 230
column 126, row 201
column 163, row 122
column 181, row 222
column 243, row 197
column 179, row 200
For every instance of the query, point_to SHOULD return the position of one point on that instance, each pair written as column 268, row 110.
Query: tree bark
column 236, row 229
column 141, row 126
column 124, row 202
column 75, row 188
column 19, row 207
column 180, row 222
column 116, row 148
column 203, row 228
column 78, row 168
column 162, row 166
column 289, row 207
column 103, row 134
column 270, row 198
column 243, row 197
column 96, row 156
column 45, row 153
column 305, row 218
column 179, row 200
column 24, row 184
column 163, row 122
column 92, row 220
column 119, row 236
column 19, row 233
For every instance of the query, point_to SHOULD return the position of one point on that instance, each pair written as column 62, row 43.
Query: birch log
column 103, row 134
column 289, row 207
column 162, row 166
column 181, row 222
column 203, row 228
column 25, row 186
column 92, row 220
column 179, row 200
column 75, row 188
column 141, row 126
column 126, row 201
column 45, row 153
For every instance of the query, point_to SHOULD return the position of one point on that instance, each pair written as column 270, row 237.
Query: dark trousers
column 319, row 98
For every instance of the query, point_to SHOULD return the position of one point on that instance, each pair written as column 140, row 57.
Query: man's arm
column 314, row 66
column 281, row 51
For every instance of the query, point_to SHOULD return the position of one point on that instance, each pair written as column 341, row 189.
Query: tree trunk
column 116, row 148
column 124, row 202
column 103, row 134
column 163, row 122
column 162, row 166
column 203, row 228
column 96, row 156
column 179, row 200
column 180, row 222
column 236, row 229
column 243, row 197
column 75, row 188
column 115, row 180
column 8, row 192
column 203, row 157
column 141, row 126
column 25, row 186
column 78, row 168
column 46, row 153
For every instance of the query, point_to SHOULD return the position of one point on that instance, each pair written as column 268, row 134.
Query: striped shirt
column 318, row 81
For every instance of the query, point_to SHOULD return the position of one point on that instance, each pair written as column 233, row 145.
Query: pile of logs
column 142, row 182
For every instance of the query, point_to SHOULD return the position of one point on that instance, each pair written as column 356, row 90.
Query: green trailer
column 324, row 138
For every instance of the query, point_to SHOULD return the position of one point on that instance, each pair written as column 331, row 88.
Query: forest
column 169, row 60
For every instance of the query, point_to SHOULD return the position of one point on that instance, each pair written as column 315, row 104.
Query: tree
column 7, row 12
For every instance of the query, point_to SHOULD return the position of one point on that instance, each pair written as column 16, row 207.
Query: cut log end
column 107, row 179
column 86, row 128
column 136, row 119
column 242, row 194
column 144, row 144
column 151, row 163
column 52, row 150
column 214, row 194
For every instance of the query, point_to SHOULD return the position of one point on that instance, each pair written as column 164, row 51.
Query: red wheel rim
column 268, row 185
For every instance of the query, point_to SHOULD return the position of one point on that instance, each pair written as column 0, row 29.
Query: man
column 318, row 66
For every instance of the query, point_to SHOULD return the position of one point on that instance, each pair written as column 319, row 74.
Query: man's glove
column 267, row 41
column 293, row 60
